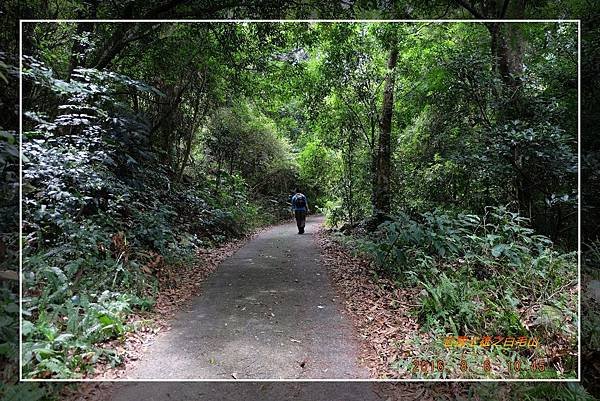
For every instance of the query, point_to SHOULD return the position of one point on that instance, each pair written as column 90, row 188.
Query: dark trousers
column 300, row 216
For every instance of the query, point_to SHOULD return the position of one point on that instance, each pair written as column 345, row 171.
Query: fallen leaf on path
column 177, row 287
column 378, row 309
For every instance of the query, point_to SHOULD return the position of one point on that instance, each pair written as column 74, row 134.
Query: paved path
column 245, row 391
column 268, row 312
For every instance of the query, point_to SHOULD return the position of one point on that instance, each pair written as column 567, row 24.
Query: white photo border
column 579, row 194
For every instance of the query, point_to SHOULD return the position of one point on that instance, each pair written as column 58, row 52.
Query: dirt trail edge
column 268, row 312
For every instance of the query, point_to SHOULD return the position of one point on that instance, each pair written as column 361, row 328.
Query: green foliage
column 334, row 213
column 241, row 140
column 99, row 207
column 500, row 240
column 550, row 391
column 456, row 304
column 8, row 324
column 9, row 223
column 60, row 342
column 117, row 171
column 26, row 391
column 461, row 138
column 319, row 171
column 467, row 266
column 590, row 302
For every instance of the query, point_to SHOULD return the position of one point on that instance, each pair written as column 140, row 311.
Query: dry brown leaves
column 378, row 309
column 178, row 284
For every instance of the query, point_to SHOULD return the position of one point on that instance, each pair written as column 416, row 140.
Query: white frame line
column 579, row 254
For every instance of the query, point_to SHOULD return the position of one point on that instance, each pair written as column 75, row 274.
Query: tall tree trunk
column 507, row 47
column 382, row 195
column 196, row 120
column 218, row 175
column 507, row 52
column 506, row 38
column 348, row 173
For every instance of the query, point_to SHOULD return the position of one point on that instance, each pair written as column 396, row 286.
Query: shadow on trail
column 268, row 312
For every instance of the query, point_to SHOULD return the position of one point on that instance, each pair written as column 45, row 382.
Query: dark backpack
column 300, row 201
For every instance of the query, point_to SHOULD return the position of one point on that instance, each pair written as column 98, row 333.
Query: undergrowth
column 105, row 223
column 489, row 275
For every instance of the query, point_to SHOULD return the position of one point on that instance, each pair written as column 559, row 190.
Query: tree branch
column 357, row 120
column 470, row 8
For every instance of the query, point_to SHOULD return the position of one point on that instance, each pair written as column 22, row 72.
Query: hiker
column 300, row 209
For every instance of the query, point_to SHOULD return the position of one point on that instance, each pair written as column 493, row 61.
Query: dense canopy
column 445, row 152
column 428, row 143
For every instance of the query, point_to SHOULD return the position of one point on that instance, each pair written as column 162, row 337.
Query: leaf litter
column 379, row 312
column 173, row 296
column 378, row 309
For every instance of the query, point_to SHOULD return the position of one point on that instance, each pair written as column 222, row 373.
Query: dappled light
column 299, row 200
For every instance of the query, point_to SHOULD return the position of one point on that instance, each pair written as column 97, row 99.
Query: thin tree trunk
column 350, row 181
column 382, row 195
column 218, row 176
column 197, row 118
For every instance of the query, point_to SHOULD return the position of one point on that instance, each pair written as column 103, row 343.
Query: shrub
column 490, row 274
column 59, row 340
column 99, row 210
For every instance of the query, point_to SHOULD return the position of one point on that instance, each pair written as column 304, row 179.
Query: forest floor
column 381, row 311
column 282, row 306
column 267, row 312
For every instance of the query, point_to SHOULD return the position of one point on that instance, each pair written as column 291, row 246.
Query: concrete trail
column 245, row 391
column 268, row 312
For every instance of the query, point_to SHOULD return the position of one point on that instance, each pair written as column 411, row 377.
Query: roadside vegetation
column 472, row 277
column 109, row 216
column 471, row 198
column 445, row 155
column 457, row 175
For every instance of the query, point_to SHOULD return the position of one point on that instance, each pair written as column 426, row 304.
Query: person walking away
column 300, row 209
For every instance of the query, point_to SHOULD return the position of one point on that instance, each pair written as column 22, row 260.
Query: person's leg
column 298, row 216
column 302, row 222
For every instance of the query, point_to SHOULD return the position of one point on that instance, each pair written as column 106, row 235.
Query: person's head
column 297, row 190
